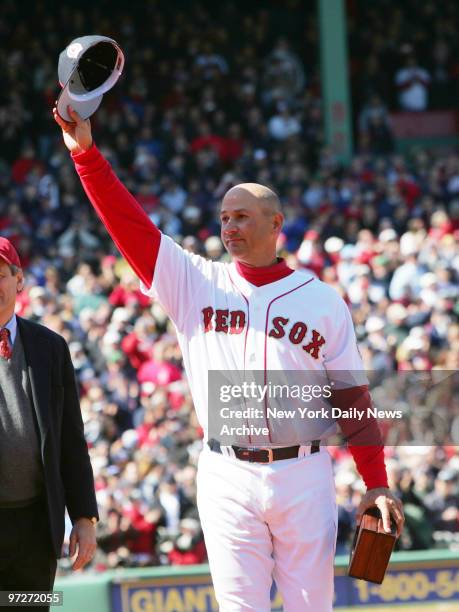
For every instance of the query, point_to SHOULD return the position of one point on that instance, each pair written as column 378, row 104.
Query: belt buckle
column 268, row 450
column 270, row 454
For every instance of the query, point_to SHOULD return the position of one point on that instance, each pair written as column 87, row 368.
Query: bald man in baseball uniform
column 268, row 511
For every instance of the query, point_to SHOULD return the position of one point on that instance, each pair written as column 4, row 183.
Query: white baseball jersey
column 225, row 323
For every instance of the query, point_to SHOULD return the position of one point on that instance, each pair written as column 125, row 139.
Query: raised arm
column 136, row 237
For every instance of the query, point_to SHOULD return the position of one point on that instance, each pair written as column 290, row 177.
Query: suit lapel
column 37, row 356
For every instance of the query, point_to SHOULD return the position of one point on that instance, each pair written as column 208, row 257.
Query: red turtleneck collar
column 264, row 275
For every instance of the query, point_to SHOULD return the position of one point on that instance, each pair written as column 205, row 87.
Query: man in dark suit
column 44, row 461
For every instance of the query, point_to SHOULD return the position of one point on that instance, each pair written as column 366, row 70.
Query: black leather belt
column 263, row 455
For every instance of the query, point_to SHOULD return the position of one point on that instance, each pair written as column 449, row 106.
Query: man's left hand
column 388, row 504
column 83, row 536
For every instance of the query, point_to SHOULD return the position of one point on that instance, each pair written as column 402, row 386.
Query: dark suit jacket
column 67, row 471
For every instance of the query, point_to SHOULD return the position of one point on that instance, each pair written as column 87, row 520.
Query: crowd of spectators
column 404, row 52
column 403, row 57
column 213, row 97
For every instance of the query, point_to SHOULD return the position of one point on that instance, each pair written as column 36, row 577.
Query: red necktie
column 5, row 349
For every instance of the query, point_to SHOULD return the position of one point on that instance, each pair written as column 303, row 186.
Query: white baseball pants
column 269, row 520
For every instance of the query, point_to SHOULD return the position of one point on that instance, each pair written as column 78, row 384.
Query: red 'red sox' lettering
column 297, row 334
column 313, row 347
column 277, row 330
column 237, row 321
column 207, row 314
column 221, row 320
column 226, row 321
column 233, row 322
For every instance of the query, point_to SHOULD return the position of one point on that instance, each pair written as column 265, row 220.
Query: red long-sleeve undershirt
column 363, row 437
column 138, row 240
column 136, row 237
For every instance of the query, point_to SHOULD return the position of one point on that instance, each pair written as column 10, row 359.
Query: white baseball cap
column 88, row 67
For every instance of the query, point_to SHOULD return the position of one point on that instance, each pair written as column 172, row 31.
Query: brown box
column 372, row 548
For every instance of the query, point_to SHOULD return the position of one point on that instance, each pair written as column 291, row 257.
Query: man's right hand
column 77, row 135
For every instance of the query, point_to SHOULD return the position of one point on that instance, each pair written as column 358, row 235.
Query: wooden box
column 372, row 548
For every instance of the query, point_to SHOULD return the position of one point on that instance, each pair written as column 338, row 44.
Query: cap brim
column 84, row 108
column 4, row 259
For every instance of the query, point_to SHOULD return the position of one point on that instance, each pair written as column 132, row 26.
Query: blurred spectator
column 283, row 125
column 443, row 501
column 186, row 547
column 284, row 76
column 413, row 84
column 373, row 111
column 380, row 139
